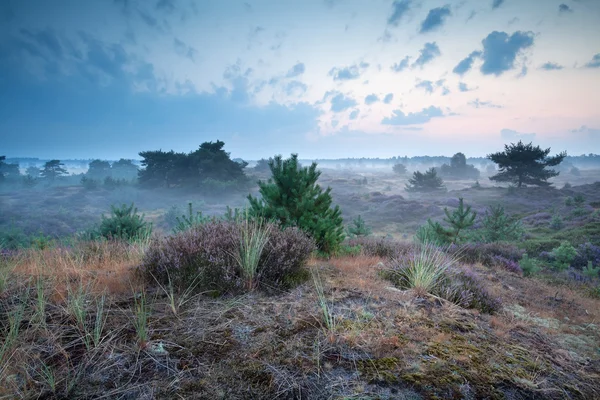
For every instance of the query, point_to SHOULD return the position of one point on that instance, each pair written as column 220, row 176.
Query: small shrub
column 205, row 255
column 88, row 183
column 351, row 251
column 124, row 223
column 470, row 292
column 586, row 253
column 380, row 247
column 556, row 223
column 497, row 226
column 183, row 222
column 579, row 200
column 358, row 228
column 529, row 266
column 569, row 201
column 564, row 255
column 536, row 246
column 484, row 253
column 507, row 264
column 425, row 182
column 590, row 271
column 567, row 185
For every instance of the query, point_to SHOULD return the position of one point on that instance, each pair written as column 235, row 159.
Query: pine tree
column 459, row 220
column 293, row 197
column 525, row 164
column 425, row 182
column 358, row 227
column 53, row 169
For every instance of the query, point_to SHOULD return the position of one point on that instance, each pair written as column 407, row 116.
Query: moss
column 379, row 370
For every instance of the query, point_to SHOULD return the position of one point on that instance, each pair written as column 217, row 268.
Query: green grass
column 254, row 235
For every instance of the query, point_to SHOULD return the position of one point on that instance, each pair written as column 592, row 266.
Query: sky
column 321, row 78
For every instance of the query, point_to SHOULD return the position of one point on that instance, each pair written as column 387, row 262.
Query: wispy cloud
column 417, row 118
column 435, row 18
column 400, row 8
column 427, row 54
column 550, row 66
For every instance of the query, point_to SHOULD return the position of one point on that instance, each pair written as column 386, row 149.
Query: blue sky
column 322, row 78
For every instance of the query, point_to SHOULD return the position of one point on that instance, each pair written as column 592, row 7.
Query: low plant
column 185, row 222
column 507, row 264
column 586, row 253
column 497, row 226
column 124, row 223
column 590, row 271
column 254, row 236
column 579, row 200
column 564, row 255
column 326, row 312
column 529, row 266
column 140, row 318
column 358, row 228
column 556, row 223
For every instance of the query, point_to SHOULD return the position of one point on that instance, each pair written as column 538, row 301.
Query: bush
column 292, row 197
column 529, row 266
column 497, row 226
column 358, row 228
column 586, row 253
column 425, row 182
column 507, row 264
column 380, row 247
column 564, row 255
column 400, row 169
column 534, row 247
column 484, row 253
column 124, row 223
column 556, row 223
column 206, row 253
column 429, row 269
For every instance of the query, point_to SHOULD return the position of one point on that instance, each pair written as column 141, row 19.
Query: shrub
column 564, row 255
column 429, row 269
column 536, row 246
column 590, row 271
column 89, row 183
column 579, row 200
column 293, row 198
column 484, row 253
column 124, row 223
column 497, row 226
column 529, row 266
column 586, row 253
column 206, row 253
column 507, row 264
column 254, row 236
column 425, row 182
column 400, row 169
column 458, row 222
column 183, row 222
column 569, row 201
column 358, row 228
column 380, row 247
column 432, row 232
column 556, row 223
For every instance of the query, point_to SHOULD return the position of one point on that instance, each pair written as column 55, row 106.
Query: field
column 80, row 320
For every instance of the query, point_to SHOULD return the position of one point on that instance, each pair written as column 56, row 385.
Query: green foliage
column 556, row 223
column 124, row 223
column 525, row 164
column 425, row 182
column 204, row 166
column 358, row 228
column 254, row 235
column 569, row 201
column 53, row 169
column 538, row 245
column 88, row 183
column 33, row 171
column 29, row 181
column 190, row 221
column 13, row 238
column 348, row 251
column 590, row 271
column 434, row 233
column 497, row 226
column 529, row 266
column 459, row 220
column 564, row 255
column 400, row 169
column 293, row 197
column 579, row 200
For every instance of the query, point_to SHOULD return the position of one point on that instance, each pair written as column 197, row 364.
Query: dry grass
column 385, row 343
column 107, row 266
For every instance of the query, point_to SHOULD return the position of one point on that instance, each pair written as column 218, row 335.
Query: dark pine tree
column 293, row 197
column 425, row 182
column 525, row 164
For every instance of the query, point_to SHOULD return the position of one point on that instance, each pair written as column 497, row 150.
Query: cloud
column 295, row 88
column 471, row 15
column 417, row 118
column 184, row 50
column 500, row 51
column 465, row 65
column 167, row 6
column 401, row 7
column 108, row 59
column 463, row 87
column 348, row 73
column 496, row 3
column 341, row 103
column 388, row 98
column 435, row 18
column 296, row 70
column 595, row 63
column 427, row 85
column 563, row 9
column 402, row 65
column 370, row 99
column 354, row 114
column 509, row 134
column 427, row 54
column 550, row 66
column 46, row 39
column 483, row 104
